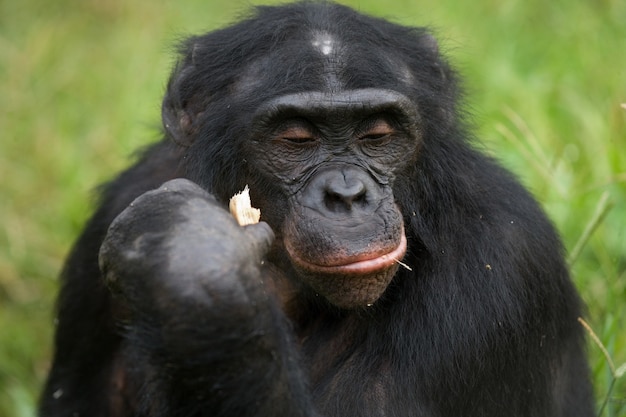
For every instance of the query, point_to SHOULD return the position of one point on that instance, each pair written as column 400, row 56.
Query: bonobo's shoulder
column 155, row 164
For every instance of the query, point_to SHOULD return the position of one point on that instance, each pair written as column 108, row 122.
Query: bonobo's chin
column 356, row 282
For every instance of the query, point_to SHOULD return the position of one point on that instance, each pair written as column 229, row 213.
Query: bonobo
column 396, row 270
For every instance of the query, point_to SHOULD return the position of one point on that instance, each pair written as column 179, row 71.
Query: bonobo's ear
column 183, row 104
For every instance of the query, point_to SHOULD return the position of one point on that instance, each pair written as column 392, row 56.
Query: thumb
column 261, row 236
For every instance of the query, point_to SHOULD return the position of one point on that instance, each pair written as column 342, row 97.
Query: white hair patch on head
column 324, row 43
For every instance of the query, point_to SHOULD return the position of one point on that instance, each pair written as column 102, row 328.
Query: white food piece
column 241, row 208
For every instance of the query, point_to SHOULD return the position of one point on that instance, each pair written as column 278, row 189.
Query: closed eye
column 374, row 136
column 296, row 135
column 376, row 130
column 298, row 139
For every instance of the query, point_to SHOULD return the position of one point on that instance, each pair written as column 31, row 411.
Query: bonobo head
column 322, row 111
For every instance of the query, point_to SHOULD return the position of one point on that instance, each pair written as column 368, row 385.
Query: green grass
column 80, row 88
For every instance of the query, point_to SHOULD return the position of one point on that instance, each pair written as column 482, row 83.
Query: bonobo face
column 335, row 156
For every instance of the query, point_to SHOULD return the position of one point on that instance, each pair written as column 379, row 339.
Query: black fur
column 484, row 323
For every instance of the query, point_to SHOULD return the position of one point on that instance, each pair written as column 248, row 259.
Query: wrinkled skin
column 335, row 156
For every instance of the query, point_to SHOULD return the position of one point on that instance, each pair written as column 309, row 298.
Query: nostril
column 341, row 195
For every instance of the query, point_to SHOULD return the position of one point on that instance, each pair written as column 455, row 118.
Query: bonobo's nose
column 341, row 192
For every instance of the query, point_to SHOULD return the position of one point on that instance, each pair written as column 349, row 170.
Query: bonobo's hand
column 177, row 246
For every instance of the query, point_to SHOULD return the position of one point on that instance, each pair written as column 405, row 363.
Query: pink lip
column 361, row 267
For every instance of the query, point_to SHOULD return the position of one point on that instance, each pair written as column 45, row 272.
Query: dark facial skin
column 335, row 155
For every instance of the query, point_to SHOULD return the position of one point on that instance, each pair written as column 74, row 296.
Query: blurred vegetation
column 80, row 89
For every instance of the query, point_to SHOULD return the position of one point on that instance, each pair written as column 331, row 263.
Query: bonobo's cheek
column 349, row 261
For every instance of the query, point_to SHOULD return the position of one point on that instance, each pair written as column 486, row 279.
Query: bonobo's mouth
column 359, row 265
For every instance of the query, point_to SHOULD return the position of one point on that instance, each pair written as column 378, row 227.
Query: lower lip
column 361, row 267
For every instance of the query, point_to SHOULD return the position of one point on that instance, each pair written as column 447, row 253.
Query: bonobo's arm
column 200, row 326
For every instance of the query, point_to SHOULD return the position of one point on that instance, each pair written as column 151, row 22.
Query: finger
column 261, row 235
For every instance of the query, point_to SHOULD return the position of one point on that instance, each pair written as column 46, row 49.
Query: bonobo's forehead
column 324, row 42
column 322, row 60
column 345, row 62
